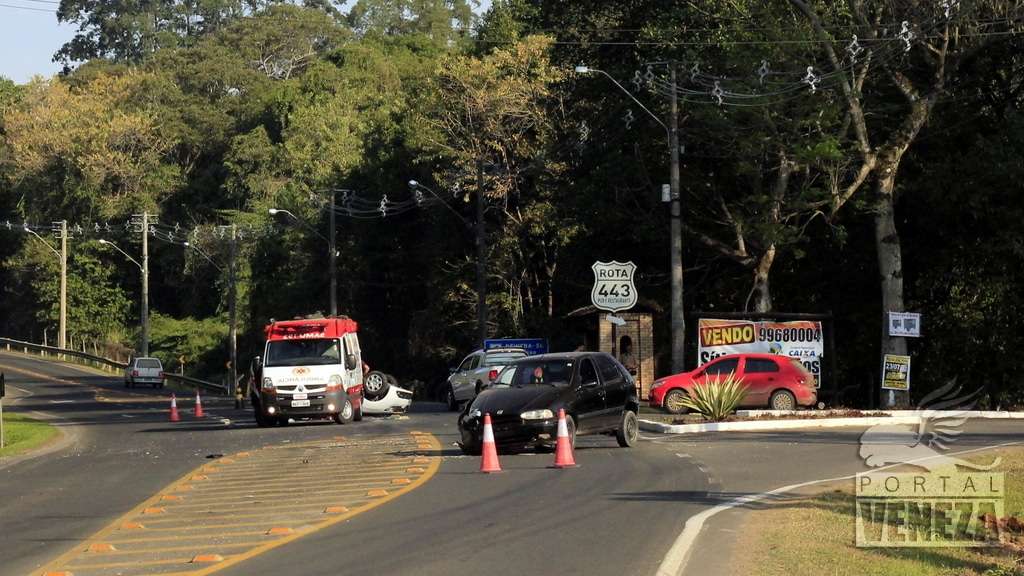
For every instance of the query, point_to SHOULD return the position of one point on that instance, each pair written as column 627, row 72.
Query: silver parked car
column 476, row 371
column 144, row 371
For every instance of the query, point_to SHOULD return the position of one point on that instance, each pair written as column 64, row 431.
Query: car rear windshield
column 148, row 363
column 502, row 358
column 543, row 372
column 303, row 352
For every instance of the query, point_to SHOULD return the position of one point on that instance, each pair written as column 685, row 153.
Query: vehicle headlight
column 658, row 384
column 537, row 415
column 268, row 384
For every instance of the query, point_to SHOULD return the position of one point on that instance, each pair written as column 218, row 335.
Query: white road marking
column 675, row 560
column 62, row 401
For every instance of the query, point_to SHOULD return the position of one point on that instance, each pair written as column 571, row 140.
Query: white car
column 382, row 395
column 144, row 371
column 476, row 371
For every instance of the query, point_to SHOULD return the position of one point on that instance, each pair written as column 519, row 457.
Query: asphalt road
column 619, row 512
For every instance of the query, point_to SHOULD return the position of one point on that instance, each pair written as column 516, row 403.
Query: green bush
column 716, row 399
column 201, row 342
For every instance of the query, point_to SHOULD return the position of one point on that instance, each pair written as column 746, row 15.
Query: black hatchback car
column 597, row 393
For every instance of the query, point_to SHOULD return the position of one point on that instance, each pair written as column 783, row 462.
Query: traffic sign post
column 613, row 291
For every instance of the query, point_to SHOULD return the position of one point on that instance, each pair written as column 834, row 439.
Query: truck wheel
column 346, row 414
column 375, row 385
column 262, row 420
column 629, row 429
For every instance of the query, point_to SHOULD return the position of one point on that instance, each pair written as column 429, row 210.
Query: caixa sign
column 532, row 346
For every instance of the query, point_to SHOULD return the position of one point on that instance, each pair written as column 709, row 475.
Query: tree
column 489, row 123
column 97, row 150
column 914, row 65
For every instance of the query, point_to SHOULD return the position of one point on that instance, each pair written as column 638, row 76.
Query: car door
column 464, row 389
column 590, row 397
column 760, row 376
column 616, row 389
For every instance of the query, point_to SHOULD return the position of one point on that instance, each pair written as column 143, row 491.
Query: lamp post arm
column 114, row 246
column 41, row 239
column 638, row 103
column 415, row 184
column 304, row 224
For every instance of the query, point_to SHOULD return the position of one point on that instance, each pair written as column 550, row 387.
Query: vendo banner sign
column 800, row 339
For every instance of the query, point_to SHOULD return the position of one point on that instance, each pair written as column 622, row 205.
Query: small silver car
column 477, row 370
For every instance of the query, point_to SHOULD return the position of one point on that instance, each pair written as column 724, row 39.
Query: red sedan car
column 778, row 382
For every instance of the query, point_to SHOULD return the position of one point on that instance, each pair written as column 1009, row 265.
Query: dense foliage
column 215, row 112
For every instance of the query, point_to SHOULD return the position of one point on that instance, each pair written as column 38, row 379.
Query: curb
column 994, row 414
column 897, row 417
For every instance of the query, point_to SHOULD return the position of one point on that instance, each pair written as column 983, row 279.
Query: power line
column 33, row 9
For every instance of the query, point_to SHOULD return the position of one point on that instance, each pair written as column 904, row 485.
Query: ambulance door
column 354, row 376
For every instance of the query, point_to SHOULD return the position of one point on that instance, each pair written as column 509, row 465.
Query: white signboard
column 802, row 340
column 613, row 286
column 905, row 324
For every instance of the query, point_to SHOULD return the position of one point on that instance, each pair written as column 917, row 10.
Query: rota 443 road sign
column 613, row 286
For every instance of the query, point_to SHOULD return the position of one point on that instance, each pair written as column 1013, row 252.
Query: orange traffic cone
column 489, row 462
column 199, row 405
column 563, row 448
column 174, row 410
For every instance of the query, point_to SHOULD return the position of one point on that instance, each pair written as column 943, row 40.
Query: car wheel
column 674, row 401
column 375, row 385
column 629, row 429
column 782, row 400
column 470, row 450
column 346, row 414
column 453, row 404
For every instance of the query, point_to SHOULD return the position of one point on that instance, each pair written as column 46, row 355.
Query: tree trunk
column 762, row 288
column 890, row 268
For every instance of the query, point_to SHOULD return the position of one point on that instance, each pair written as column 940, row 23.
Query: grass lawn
column 22, row 433
column 815, row 535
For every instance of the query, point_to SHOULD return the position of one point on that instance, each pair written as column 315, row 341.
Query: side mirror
column 351, row 362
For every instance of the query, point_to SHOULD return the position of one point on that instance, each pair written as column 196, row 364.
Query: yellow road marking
column 187, row 524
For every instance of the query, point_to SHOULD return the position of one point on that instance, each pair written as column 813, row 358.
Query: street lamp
column 331, row 248
column 62, row 255
column 676, row 234
column 481, row 252
column 144, row 320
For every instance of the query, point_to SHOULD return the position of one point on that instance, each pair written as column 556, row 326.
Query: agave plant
column 716, row 399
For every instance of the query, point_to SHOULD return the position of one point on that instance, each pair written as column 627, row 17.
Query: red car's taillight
column 492, row 375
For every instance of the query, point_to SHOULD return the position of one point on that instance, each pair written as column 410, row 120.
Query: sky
column 30, row 35
column 28, row 38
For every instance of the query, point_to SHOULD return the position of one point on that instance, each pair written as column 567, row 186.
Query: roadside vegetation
column 716, row 400
column 22, row 434
column 815, row 535
column 899, row 192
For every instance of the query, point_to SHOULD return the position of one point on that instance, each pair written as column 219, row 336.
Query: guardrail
column 112, row 366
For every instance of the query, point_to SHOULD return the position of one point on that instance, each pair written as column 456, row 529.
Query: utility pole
column 481, row 256
column 333, row 259
column 233, row 318
column 145, row 283
column 62, row 335
column 676, row 233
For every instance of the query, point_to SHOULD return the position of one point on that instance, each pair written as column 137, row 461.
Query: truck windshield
column 302, row 352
